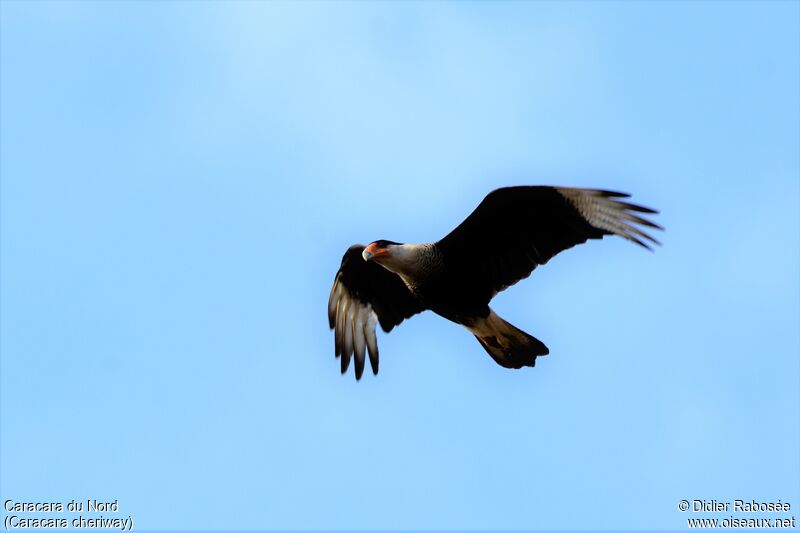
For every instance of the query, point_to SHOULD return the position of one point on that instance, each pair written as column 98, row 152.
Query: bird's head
column 379, row 251
column 402, row 259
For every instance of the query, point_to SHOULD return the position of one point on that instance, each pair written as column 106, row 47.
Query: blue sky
column 180, row 180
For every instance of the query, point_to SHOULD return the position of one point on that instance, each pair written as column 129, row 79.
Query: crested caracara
column 511, row 232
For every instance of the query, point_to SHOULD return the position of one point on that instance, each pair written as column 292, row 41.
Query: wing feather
column 338, row 328
column 344, row 327
column 359, row 343
column 372, row 340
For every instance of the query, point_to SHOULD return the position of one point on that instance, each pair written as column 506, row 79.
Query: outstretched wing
column 515, row 229
column 363, row 294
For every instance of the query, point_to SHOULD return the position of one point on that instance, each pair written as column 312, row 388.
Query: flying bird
column 511, row 232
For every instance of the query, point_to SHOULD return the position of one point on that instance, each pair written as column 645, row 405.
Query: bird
column 511, row 232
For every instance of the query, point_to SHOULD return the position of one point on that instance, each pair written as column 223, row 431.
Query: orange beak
column 372, row 252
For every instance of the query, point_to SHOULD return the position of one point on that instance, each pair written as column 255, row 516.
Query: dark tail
column 509, row 347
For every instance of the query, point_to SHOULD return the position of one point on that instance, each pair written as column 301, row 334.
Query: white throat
column 405, row 260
